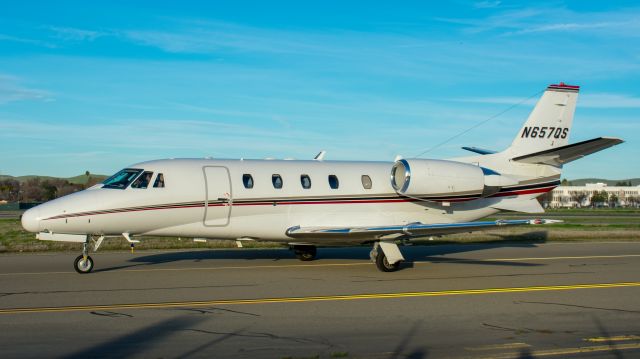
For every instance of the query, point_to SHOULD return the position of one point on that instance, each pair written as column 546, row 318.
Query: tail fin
column 549, row 123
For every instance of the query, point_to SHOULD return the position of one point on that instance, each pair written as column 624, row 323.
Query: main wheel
column 305, row 253
column 383, row 264
column 83, row 266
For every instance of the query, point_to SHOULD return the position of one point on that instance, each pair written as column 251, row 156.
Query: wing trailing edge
column 360, row 234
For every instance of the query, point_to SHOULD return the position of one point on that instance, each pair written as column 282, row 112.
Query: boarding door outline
column 218, row 199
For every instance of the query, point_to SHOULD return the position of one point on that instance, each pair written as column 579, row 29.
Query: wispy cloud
column 11, row 90
column 609, row 100
column 211, row 37
column 589, row 100
column 487, row 4
column 75, row 34
column 23, row 40
column 532, row 20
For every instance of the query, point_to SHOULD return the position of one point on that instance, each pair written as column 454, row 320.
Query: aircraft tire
column 81, row 266
column 383, row 265
column 305, row 253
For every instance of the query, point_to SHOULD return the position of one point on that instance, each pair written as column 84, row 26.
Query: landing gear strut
column 83, row 263
column 386, row 256
column 305, row 253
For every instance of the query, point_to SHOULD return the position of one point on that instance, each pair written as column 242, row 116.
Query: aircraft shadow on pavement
column 431, row 252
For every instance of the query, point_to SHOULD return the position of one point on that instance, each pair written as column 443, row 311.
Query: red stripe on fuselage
column 302, row 202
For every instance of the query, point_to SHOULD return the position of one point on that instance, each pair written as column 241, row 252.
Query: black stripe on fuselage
column 287, row 200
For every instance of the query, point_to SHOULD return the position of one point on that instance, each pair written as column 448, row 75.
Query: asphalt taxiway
column 499, row 300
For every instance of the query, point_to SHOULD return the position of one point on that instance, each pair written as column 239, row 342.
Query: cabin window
column 305, row 180
column 159, row 183
column 277, row 181
column 366, row 182
column 333, row 182
column 121, row 179
column 143, row 181
column 247, row 180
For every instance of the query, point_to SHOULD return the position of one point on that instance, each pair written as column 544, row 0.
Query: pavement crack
column 215, row 310
column 260, row 335
column 506, row 329
column 111, row 314
column 578, row 306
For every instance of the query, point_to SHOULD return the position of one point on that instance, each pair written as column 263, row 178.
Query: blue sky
column 100, row 85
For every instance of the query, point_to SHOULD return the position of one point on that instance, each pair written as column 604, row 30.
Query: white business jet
column 312, row 203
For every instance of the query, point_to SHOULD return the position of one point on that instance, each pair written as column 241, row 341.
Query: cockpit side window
column 159, row 183
column 121, row 179
column 143, row 181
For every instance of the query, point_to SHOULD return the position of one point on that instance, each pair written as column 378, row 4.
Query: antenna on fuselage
column 320, row 155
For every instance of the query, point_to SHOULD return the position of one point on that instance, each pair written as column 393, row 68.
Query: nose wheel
column 83, row 264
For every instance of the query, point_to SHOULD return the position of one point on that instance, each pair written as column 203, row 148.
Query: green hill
column 80, row 179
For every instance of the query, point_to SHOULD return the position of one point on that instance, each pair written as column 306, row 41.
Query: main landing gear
column 304, row 253
column 386, row 256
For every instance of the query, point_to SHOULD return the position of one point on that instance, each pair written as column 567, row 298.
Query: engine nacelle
column 418, row 177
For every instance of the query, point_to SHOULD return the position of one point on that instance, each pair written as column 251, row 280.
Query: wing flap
column 359, row 234
column 565, row 154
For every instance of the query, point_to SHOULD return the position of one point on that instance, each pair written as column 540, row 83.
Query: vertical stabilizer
column 549, row 124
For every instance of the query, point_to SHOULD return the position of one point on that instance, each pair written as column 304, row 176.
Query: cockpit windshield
column 121, row 179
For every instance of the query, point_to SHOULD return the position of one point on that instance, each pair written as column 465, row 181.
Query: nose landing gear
column 84, row 263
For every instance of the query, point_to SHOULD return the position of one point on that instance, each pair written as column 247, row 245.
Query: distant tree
column 32, row 191
column 599, row 198
column 578, row 197
column 623, row 184
column 36, row 190
column 87, row 173
column 613, row 200
column 565, row 182
column 9, row 190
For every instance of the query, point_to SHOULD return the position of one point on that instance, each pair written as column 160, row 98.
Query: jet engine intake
column 421, row 177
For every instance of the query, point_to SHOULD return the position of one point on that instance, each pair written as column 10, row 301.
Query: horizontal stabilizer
column 480, row 151
column 519, row 205
column 561, row 155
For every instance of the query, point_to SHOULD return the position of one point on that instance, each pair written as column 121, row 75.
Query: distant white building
column 581, row 196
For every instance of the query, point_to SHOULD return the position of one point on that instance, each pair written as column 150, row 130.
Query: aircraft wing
column 362, row 234
column 561, row 155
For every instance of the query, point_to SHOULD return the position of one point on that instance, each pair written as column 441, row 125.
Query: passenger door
column 218, row 201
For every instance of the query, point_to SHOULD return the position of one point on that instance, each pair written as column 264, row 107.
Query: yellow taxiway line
column 616, row 338
column 564, row 351
column 316, row 298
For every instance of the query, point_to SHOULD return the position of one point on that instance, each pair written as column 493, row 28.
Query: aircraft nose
column 31, row 220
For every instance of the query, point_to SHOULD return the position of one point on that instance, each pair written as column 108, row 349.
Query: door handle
column 223, row 199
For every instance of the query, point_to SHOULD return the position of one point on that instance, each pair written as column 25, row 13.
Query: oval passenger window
column 366, row 182
column 305, row 180
column 333, row 182
column 277, row 181
column 247, row 180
